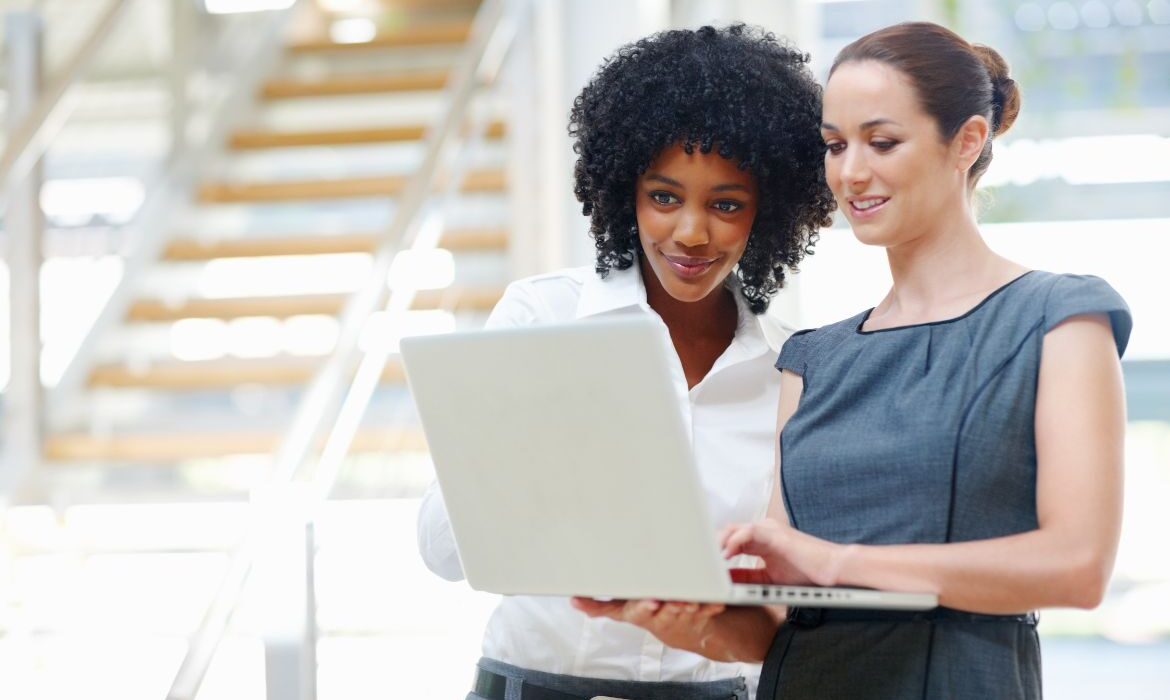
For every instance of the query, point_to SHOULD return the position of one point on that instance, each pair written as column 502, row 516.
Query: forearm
column 1005, row 575
column 740, row 634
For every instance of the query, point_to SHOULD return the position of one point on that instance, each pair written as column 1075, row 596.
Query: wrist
column 838, row 564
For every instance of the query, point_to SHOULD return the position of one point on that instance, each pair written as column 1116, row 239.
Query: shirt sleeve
column 520, row 305
column 793, row 356
column 436, row 543
column 1078, row 295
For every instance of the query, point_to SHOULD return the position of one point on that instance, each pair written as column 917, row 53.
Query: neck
column 947, row 263
column 710, row 316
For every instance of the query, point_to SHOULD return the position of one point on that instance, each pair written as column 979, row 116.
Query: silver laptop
column 567, row 469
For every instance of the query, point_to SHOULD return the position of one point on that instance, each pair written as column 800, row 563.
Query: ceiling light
column 231, row 7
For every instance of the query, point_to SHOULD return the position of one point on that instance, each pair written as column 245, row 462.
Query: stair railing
column 252, row 52
column 32, row 138
column 492, row 32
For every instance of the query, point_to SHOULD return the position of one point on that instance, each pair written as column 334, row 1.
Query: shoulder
column 550, row 297
column 803, row 346
column 1066, row 296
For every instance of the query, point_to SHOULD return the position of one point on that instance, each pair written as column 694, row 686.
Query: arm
column 791, row 389
column 1067, row 560
column 519, row 306
column 720, row 633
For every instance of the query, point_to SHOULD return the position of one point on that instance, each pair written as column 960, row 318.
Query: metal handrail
column 324, row 391
column 369, row 372
column 491, row 33
column 38, row 129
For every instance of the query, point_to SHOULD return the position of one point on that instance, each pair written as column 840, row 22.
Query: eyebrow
column 726, row 187
column 865, row 125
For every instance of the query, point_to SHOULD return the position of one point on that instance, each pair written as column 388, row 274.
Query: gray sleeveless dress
column 921, row 434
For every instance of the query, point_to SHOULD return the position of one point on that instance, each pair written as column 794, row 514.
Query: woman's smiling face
column 695, row 212
column 889, row 169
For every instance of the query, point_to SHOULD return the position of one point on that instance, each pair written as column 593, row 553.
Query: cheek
column 832, row 173
column 653, row 225
column 733, row 235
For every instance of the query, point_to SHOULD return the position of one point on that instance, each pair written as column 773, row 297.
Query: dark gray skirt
column 979, row 658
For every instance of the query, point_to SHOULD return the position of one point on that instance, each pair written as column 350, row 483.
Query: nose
column 691, row 228
column 855, row 169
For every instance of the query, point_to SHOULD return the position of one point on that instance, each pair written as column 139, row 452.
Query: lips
column 864, row 207
column 687, row 266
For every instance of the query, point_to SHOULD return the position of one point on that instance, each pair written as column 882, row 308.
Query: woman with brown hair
column 963, row 437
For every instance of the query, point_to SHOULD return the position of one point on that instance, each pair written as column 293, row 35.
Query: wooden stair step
column 414, row 81
column 191, row 249
column 486, row 180
column 173, row 447
column 252, row 139
column 219, row 374
column 430, row 34
column 157, row 310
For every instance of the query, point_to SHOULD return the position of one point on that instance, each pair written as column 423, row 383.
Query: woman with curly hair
column 963, row 437
column 699, row 165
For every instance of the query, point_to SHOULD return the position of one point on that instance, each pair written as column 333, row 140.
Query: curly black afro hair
column 736, row 90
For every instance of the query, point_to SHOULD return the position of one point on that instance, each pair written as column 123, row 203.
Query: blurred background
column 220, row 216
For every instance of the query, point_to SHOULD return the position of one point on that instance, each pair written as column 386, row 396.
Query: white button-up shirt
column 731, row 414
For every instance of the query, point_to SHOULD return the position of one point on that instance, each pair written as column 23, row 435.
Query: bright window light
column 284, row 275
column 74, row 291
column 231, row 7
column 258, row 336
column 348, row 6
column 194, row 339
column 422, row 269
column 310, row 335
column 74, row 202
column 384, row 330
column 355, row 30
column 1084, row 160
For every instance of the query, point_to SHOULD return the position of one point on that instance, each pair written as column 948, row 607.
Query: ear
column 968, row 142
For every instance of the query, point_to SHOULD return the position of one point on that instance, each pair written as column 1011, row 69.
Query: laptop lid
column 564, row 461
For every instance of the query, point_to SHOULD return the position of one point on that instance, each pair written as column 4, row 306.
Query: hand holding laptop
column 712, row 629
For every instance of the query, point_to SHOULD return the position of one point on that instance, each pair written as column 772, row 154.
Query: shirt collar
column 624, row 290
column 749, row 331
column 620, row 289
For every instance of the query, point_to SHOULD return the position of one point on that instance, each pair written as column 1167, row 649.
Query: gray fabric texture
column 922, row 434
column 728, row 689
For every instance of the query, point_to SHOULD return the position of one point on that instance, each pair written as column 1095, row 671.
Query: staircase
column 234, row 319
column 119, row 551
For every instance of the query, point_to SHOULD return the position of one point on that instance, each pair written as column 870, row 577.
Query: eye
column 882, row 144
column 663, row 197
column 835, row 147
column 727, row 205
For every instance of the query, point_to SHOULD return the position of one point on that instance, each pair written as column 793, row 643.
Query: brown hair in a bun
column 1006, row 97
column 953, row 78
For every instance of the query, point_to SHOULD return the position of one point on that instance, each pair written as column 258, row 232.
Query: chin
column 689, row 295
column 684, row 290
column 871, row 235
